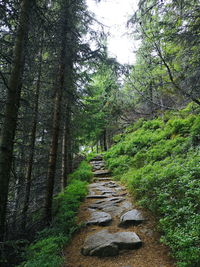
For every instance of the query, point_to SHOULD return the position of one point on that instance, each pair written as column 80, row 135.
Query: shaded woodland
column 62, row 96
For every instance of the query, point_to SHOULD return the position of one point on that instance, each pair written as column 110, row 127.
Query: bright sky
column 115, row 14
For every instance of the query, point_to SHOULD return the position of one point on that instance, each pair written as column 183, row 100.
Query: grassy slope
column 159, row 161
column 46, row 251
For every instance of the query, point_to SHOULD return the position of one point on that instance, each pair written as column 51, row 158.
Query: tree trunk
column 101, row 143
column 11, row 112
column 54, row 148
column 151, row 99
column 64, row 159
column 56, row 123
column 104, row 140
column 32, row 144
column 67, row 147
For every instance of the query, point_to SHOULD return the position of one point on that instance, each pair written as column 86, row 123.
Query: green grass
column 159, row 160
column 83, row 173
column 46, row 251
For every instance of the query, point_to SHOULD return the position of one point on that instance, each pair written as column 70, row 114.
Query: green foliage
column 100, row 101
column 83, row 173
column 119, row 165
column 46, row 251
column 160, row 164
column 91, row 155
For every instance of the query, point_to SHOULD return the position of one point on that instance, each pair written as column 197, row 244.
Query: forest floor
column 151, row 254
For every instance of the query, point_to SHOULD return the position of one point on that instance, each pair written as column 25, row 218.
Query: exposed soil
column 151, row 254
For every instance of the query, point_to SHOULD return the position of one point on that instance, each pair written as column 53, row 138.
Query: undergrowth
column 159, row 161
column 46, row 251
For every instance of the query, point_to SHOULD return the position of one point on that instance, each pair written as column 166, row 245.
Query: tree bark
column 32, row 144
column 56, row 123
column 11, row 112
column 54, row 148
column 104, row 140
column 64, row 159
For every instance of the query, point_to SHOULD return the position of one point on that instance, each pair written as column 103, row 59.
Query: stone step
column 96, row 196
column 99, row 218
column 132, row 217
column 107, row 204
column 97, row 163
column 100, row 173
column 105, row 244
column 97, row 168
column 97, row 158
column 102, row 179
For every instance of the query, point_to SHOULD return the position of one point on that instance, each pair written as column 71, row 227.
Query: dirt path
column 110, row 197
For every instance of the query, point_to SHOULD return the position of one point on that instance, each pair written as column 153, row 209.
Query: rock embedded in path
column 100, row 173
column 110, row 199
column 105, row 203
column 97, row 158
column 97, row 165
column 132, row 217
column 105, row 244
column 127, row 205
column 102, row 206
column 99, row 218
column 96, row 196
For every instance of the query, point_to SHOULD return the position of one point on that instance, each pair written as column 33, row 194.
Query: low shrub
column 83, row 173
column 159, row 162
column 46, row 250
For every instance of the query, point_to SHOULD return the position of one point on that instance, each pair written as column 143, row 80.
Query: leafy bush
column 83, row 173
column 46, row 251
column 159, row 162
column 120, row 164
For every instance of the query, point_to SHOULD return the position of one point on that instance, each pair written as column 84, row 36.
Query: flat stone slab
column 102, row 179
column 101, row 173
column 107, row 192
column 131, row 217
column 91, row 192
column 126, row 205
column 97, row 196
column 112, row 185
column 97, row 158
column 110, row 199
column 97, row 184
column 119, row 194
column 103, row 188
column 99, row 218
column 102, row 206
column 105, row 244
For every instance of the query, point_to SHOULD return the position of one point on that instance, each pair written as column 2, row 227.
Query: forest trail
column 114, row 240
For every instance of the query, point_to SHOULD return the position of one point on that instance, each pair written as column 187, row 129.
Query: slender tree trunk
column 11, row 112
column 56, row 124
column 101, row 143
column 53, row 149
column 64, row 159
column 32, row 144
column 151, row 98
column 97, row 147
column 104, row 140
column 67, row 148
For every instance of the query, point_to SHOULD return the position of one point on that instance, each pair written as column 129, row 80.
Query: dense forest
column 62, row 97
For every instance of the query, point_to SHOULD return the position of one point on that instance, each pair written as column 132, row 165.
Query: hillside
column 159, row 162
